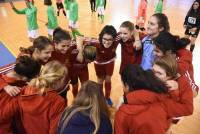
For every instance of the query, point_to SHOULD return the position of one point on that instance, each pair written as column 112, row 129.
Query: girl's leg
column 105, row 4
column 91, row 5
column 58, row 12
column 94, row 3
column 101, row 13
column 64, row 12
column 108, row 90
column 100, row 82
column 75, row 89
column 193, row 39
column 102, row 18
column 50, row 33
column 107, row 86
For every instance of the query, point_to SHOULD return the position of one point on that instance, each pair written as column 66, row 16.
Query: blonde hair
column 127, row 24
column 51, row 73
column 89, row 99
column 169, row 64
column 89, row 52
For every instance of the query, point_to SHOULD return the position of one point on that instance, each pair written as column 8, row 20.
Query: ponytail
column 51, row 73
column 182, row 43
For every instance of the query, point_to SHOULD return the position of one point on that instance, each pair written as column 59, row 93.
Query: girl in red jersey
column 145, row 96
column 130, row 43
column 62, row 49
column 165, row 68
column 185, row 66
column 39, row 104
column 73, row 57
column 166, row 42
column 105, row 58
column 80, row 58
column 41, row 50
column 10, row 85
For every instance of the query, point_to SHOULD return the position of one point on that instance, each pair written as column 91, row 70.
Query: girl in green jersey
column 52, row 19
column 31, row 15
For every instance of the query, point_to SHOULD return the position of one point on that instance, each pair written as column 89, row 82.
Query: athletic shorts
column 73, row 24
column 33, row 33
column 103, row 70
column 50, row 31
column 81, row 74
column 195, row 34
column 59, row 5
column 100, row 10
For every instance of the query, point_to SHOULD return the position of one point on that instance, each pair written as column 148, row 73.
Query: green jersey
column 73, row 11
column 52, row 19
column 67, row 4
column 159, row 7
column 100, row 3
column 31, row 16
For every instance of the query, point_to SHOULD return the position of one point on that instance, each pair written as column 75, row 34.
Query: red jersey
column 138, row 116
column 104, row 55
column 6, row 126
column 39, row 113
column 63, row 58
column 128, row 54
column 185, row 66
column 184, row 91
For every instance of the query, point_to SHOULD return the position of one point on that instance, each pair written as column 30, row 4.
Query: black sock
column 57, row 13
column 192, row 47
column 64, row 12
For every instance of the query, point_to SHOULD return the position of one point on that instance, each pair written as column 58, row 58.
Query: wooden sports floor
column 13, row 34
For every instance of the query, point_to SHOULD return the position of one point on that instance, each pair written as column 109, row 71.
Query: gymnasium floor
column 13, row 35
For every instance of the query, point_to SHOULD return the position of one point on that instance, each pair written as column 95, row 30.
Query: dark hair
column 27, row 66
column 60, row 34
column 89, row 52
column 136, row 79
column 192, row 11
column 127, row 24
column 108, row 29
column 40, row 43
column 182, row 43
column 162, row 21
column 48, row 2
column 165, row 41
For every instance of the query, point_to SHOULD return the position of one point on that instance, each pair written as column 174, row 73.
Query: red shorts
column 79, row 73
column 104, row 69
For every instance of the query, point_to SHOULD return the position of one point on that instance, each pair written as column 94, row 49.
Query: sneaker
column 109, row 102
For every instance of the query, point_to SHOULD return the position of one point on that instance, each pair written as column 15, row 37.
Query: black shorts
column 59, row 5
column 195, row 34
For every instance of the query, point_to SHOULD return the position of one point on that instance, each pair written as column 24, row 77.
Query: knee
column 108, row 78
column 100, row 80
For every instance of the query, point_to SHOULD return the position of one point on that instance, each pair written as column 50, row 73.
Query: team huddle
column 156, row 73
